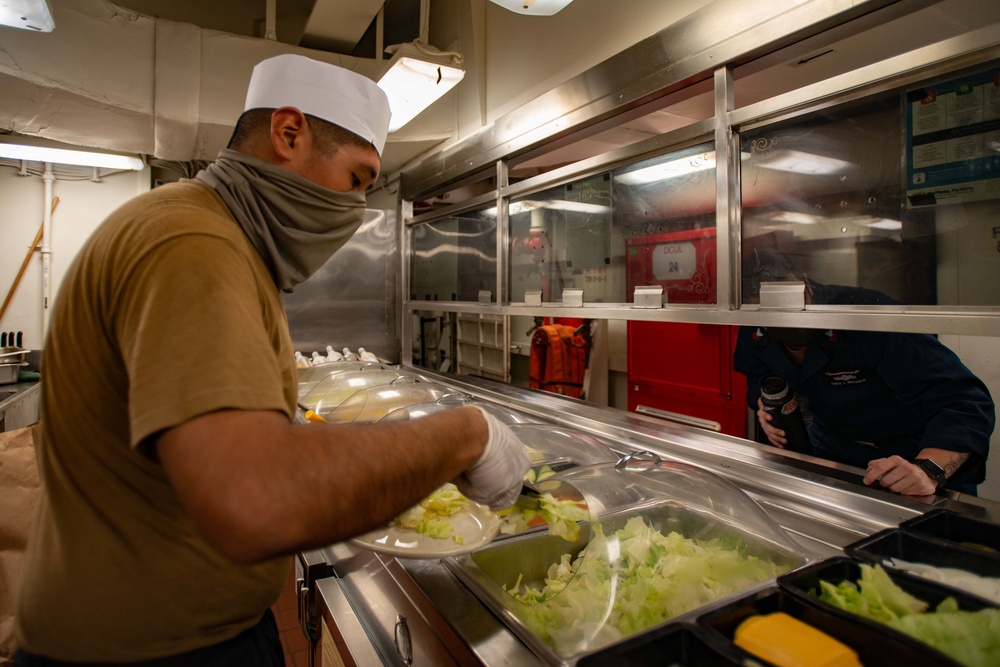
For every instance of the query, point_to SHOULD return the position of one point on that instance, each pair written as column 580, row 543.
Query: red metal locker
column 686, row 369
column 683, row 371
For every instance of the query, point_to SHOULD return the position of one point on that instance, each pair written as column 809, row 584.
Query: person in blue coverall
column 878, row 400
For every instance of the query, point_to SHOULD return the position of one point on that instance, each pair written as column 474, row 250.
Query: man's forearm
column 258, row 486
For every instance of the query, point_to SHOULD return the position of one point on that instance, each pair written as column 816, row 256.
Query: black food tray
column 870, row 641
column 835, row 570
column 967, row 534
column 676, row 644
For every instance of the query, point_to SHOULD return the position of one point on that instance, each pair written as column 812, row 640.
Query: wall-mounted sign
column 953, row 141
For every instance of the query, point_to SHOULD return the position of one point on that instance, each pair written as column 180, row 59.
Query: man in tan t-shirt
column 176, row 485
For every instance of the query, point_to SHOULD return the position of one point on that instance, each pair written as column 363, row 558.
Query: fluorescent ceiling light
column 577, row 206
column 800, row 218
column 27, row 14
column 417, row 76
column 795, row 217
column 64, row 156
column 533, row 7
column 672, row 169
column 885, row 223
column 802, row 163
column 557, row 205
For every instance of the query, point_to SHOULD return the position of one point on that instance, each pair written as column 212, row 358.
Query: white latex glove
column 497, row 476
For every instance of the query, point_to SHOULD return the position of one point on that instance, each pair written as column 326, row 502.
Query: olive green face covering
column 294, row 224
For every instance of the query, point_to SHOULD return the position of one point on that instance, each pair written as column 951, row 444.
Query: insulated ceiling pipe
column 425, row 21
column 48, row 178
column 270, row 18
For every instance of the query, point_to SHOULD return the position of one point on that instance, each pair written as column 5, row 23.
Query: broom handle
column 24, row 264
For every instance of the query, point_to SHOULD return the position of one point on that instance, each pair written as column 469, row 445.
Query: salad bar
column 641, row 543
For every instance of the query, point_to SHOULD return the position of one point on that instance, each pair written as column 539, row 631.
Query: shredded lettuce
column 429, row 516
column 970, row 637
column 632, row 580
column 561, row 516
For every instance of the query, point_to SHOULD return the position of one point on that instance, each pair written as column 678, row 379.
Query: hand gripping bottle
column 780, row 402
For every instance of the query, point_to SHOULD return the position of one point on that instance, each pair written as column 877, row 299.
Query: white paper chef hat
column 335, row 94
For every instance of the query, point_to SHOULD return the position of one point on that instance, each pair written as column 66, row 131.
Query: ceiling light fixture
column 796, row 217
column 577, row 207
column 533, row 7
column 417, row 76
column 885, row 223
column 672, row 169
column 803, row 163
column 65, row 156
column 527, row 205
column 27, row 14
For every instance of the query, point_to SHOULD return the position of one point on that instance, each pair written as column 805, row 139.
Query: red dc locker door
column 684, row 372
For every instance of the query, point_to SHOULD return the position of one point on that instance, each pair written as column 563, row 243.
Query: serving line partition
column 499, row 145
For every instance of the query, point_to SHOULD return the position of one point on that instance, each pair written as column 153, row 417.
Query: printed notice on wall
column 953, row 141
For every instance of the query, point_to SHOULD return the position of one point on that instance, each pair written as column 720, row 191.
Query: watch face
column 933, row 470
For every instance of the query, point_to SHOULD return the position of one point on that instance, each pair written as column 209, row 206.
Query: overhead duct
column 338, row 26
column 119, row 80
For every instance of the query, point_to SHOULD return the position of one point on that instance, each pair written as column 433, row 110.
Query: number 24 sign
column 675, row 261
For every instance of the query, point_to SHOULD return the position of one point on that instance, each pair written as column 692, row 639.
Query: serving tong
column 310, row 415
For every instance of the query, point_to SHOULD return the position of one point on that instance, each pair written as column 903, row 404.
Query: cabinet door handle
column 304, row 617
column 401, row 635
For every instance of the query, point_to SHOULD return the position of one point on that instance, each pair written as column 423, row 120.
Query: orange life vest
column 558, row 360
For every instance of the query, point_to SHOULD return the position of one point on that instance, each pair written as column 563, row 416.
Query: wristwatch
column 933, row 470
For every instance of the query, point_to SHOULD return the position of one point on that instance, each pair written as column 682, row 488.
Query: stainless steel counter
column 19, row 405
column 373, row 607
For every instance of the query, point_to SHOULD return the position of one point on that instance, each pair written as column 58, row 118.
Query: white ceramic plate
column 474, row 523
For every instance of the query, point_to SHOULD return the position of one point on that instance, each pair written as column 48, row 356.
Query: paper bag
column 19, row 491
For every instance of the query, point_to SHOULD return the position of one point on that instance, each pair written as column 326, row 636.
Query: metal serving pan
column 749, row 549
column 9, row 371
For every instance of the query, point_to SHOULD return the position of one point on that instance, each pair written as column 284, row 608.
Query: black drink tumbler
column 779, row 401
